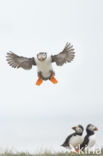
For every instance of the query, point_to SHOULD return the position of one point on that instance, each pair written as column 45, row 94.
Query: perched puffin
column 89, row 140
column 75, row 139
column 43, row 62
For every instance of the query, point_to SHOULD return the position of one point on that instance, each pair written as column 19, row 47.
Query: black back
column 67, row 140
column 85, row 142
column 86, row 139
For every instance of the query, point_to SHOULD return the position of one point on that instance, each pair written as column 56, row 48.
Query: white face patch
column 42, row 56
column 91, row 128
column 79, row 129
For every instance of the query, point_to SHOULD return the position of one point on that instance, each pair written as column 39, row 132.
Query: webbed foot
column 53, row 80
column 39, row 81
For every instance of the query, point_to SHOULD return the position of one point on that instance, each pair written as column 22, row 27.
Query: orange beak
column 41, row 58
column 96, row 129
column 74, row 128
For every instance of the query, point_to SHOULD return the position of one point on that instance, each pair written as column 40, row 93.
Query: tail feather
column 64, row 145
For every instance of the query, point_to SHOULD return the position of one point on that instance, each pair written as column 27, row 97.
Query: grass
column 10, row 153
column 46, row 154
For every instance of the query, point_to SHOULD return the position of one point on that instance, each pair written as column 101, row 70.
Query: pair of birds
column 43, row 62
column 78, row 142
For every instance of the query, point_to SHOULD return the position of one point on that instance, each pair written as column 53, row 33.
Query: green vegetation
column 46, row 154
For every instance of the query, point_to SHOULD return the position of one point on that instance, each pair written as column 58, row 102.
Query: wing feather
column 85, row 143
column 67, row 140
column 16, row 61
column 67, row 55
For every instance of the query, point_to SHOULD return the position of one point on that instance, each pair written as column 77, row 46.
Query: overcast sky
column 35, row 118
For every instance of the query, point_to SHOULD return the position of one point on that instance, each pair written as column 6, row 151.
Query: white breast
column 44, row 66
column 92, row 141
column 76, row 141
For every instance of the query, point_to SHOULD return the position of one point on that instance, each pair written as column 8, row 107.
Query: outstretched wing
column 19, row 61
column 65, row 56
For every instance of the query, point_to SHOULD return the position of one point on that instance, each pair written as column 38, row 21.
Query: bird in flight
column 43, row 62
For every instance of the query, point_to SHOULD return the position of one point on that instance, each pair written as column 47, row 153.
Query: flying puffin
column 74, row 140
column 43, row 62
column 89, row 139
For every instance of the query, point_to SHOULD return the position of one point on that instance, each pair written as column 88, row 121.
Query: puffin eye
column 91, row 128
column 79, row 129
column 39, row 56
column 44, row 55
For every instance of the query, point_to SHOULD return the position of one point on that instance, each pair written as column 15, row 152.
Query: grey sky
column 32, row 117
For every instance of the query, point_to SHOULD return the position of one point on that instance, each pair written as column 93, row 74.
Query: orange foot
column 39, row 82
column 53, row 80
column 77, row 150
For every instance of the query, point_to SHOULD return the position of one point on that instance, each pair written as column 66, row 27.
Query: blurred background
column 39, row 118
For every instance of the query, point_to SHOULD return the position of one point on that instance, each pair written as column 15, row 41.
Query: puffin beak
column 74, row 128
column 96, row 129
column 41, row 58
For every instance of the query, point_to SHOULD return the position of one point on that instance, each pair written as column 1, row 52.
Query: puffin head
column 78, row 129
column 91, row 128
column 41, row 56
